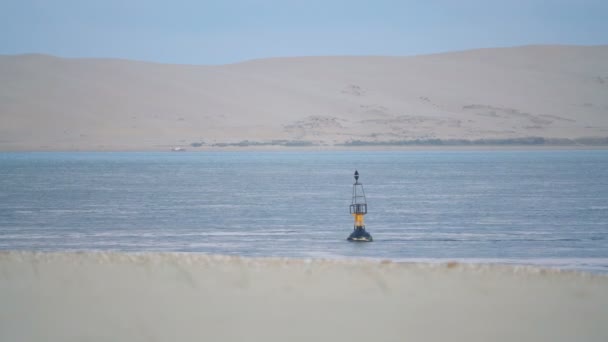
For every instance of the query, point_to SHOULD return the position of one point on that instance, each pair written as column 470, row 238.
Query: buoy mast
column 358, row 209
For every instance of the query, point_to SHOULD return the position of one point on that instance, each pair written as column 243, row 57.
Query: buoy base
column 360, row 235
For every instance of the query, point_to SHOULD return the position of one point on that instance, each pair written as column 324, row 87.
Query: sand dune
column 553, row 92
column 187, row 297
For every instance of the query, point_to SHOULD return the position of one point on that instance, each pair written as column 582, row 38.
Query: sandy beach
column 179, row 297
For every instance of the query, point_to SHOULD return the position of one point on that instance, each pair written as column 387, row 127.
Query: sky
column 220, row 32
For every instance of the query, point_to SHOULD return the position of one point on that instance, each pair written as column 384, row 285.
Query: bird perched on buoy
column 358, row 209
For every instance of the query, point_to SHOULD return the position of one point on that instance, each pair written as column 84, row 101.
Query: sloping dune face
column 186, row 297
column 551, row 92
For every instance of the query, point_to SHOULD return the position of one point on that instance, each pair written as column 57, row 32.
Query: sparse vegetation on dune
column 586, row 141
column 247, row 143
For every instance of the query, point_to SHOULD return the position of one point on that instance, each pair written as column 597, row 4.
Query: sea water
column 546, row 208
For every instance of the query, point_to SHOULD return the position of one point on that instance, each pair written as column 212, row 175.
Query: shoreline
column 507, row 265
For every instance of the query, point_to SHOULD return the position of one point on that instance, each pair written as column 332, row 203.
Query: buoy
column 358, row 209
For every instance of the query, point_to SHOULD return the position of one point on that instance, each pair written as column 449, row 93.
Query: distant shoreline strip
column 525, row 141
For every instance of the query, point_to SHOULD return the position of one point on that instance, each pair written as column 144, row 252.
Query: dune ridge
column 554, row 94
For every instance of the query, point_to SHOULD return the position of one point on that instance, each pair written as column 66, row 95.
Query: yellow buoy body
column 359, row 220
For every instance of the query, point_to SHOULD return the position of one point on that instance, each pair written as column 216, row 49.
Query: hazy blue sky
column 213, row 32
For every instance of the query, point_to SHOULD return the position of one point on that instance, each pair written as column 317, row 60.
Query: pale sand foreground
column 187, row 297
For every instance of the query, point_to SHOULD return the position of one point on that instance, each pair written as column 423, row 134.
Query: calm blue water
column 548, row 207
